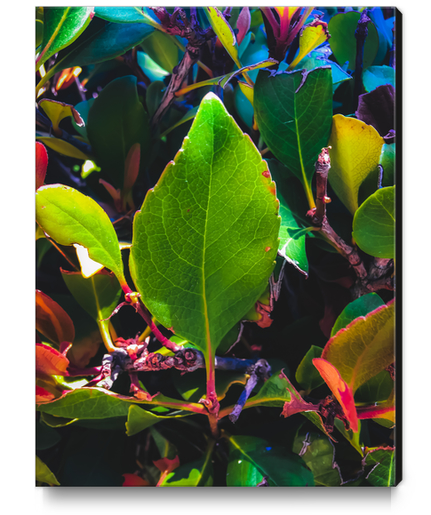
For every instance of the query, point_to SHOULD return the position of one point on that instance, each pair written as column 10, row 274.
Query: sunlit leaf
column 207, row 232
column 224, row 32
column 57, row 111
column 310, row 38
column 49, row 361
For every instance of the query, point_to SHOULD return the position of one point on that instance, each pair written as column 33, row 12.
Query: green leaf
column 376, row 76
column 83, row 108
column 101, row 42
column 98, row 295
column 318, row 455
column 372, row 337
column 123, row 14
column 61, row 26
column 196, row 473
column 377, row 389
column 281, row 467
column 357, row 308
column 306, row 374
column 387, row 160
column 63, row 147
column 139, row 419
column 273, row 393
column 343, row 42
column 70, row 217
column 57, row 111
column 160, row 47
column 294, row 114
column 355, row 153
column 383, row 461
column 224, row 32
column 116, row 121
column 205, row 240
column 293, row 208
column 374, row 224
column 43, row 473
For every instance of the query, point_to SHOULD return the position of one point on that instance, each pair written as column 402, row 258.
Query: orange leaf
column 43, row 395
column 165, row 465
column 339, row 388
column 49, row 361
column 52, row 321
column 134, row 480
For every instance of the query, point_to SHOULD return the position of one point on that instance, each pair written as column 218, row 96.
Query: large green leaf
column 100, row 42
column 374, row 224
column 61, row 26
column 162, row 50
column 116, row 121
column 357, row 308
column 365, row 347
column 276, row 463
column 70, row 217
column 205, row 240
column 294, row 114
column 343, row 42
column 355, row 149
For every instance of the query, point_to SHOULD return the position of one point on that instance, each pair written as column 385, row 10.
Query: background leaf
column 306, row 373
column 70, row 217
column 139, row 419
column 52, row 321
column 355, row 153
column 294, row 114
column 376, row 76
column 61, row 26
column 207, row 232
column 374, row 224
column 196, row 473
column 44, row 474
column 357, row 308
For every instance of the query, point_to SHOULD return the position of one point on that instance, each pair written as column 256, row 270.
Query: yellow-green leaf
column 224, row 32
column 57, row 111
column 355, row 149
column 44, row 474
column 311, row 37
column 63, row 147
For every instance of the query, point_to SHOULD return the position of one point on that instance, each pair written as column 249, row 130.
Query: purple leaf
column 377, row 108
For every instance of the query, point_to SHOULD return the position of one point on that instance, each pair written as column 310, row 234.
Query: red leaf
column 52, row 321
column 339, row 388
column 297, row 406
column 165, row 465
column 134, row 480
column 43, row 395
column 41, row 163
column 243, row 24
column 49, row 361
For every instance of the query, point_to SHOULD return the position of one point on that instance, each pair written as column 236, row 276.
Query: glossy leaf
column 61, row 26
column 49, row 361
column 43, row 473
column 82, row 109
column 70, row 217
column 387, row 160
column 196, row 473
column 100, row 42
column 162, row 50
column 355, row 153
column 374, row 224
column 343, row 42
column 57, row 111
column 281, row 467
column 310, row 38
column 340, row 389
column 294, row 114
column 357, row 308
column 207, row 232
column 63, row 147
column 52, row 321
column 306, row 373
column 376, row 76
column 365, row 347
column 243, row 24
column 139, row 419
column 116, row 121
column 125, row 14
column 382, row 459
column 224, row 32
column 41, row 164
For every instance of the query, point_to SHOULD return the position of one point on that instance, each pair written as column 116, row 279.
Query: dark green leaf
column 383, row 462
column 294, row 114
column 374, row 224
column 357, row 308
column 273, row 393
column 70, row 217
column 61, row 26
column 343, row 42
column 116, row 121
column 306, row 373
column 377, row 389
column 281, row 467
column 139, row 419
column 207, row 233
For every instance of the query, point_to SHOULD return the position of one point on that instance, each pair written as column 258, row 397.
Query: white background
column 17, row 308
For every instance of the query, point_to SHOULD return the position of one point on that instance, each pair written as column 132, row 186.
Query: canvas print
column 216, row 241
